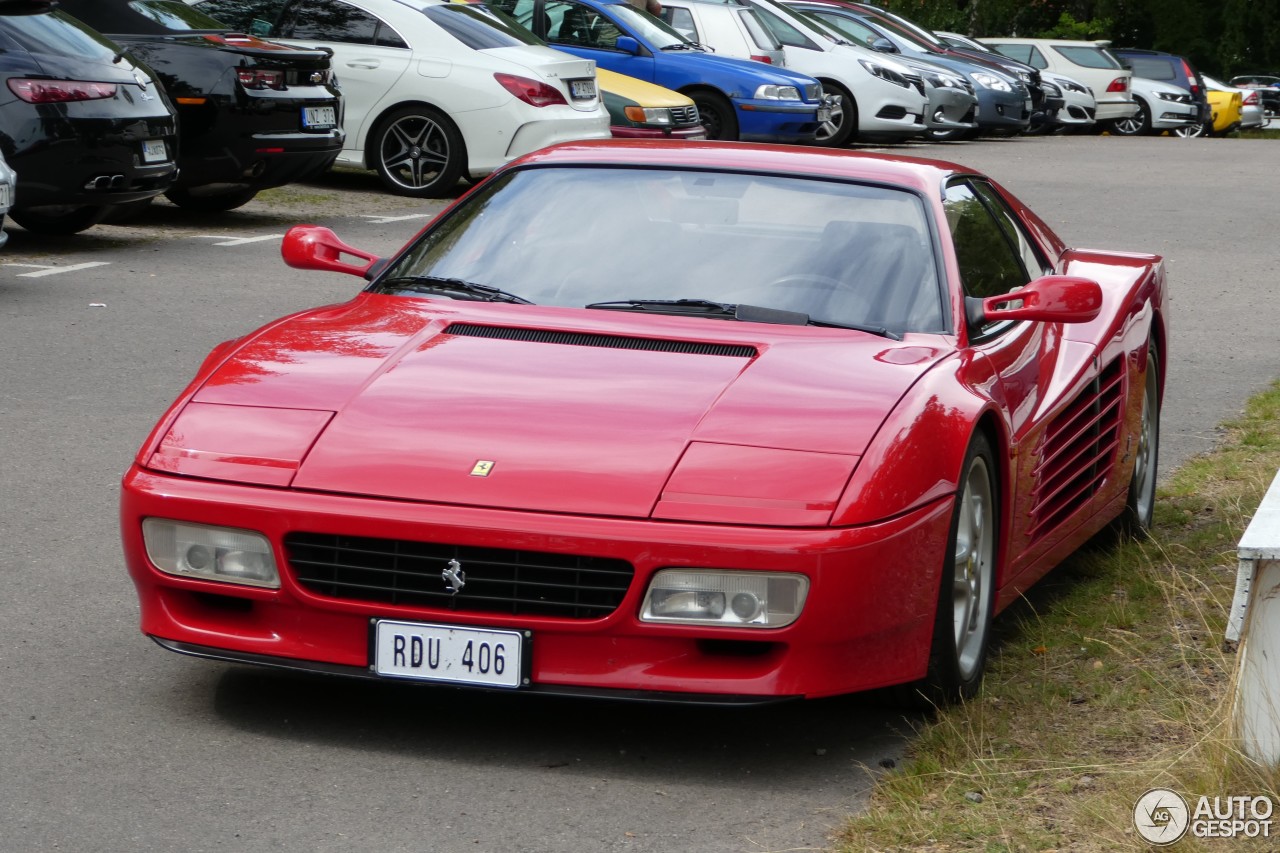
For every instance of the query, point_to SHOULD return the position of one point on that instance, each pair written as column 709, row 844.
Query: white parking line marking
column 44, row 269
column 383, row 220
column 238, row 241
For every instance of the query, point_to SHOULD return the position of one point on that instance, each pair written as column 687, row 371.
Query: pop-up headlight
column 725, row 598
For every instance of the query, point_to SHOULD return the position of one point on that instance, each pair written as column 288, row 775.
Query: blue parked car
column 736, row 98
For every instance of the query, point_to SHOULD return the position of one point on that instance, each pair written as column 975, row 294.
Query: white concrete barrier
column 1255, row 624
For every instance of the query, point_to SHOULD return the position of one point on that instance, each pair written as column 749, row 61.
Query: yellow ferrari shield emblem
column 481, row 468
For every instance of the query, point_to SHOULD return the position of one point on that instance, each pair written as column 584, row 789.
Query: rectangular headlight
column 725, row 598
column 210, row 553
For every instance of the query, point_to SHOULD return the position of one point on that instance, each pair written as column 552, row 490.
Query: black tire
column 1139, row 509
column 966, row 594
column 1139, row 124
column 211, row 202
column 837, row 132
column 418, row 152
column 60, row 220
column 716, row 114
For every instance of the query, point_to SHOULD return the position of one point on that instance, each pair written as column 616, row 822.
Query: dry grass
column 1110, row 678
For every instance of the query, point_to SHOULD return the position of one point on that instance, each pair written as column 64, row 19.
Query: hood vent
column 582, row 339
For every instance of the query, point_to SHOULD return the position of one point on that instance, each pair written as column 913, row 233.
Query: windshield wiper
column 437, row 284
column 745, row 313
column 680, row 45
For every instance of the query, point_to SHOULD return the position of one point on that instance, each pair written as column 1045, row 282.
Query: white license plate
column 448, row 653
column 824, row 114
column 6, row 197
column 582, row 90
column 319, row 117
column 153, row 151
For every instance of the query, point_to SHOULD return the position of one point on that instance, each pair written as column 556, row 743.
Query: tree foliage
column 1222, row 37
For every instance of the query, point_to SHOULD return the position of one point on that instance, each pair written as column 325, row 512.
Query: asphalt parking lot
column 109, row 743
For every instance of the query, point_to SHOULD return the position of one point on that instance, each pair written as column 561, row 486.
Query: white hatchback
column 434, row 91
column 1087, row 61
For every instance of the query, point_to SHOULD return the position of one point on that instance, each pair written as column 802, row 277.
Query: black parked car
column 252, row 114
column 84, row 126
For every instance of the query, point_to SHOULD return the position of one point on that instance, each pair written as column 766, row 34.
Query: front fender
column 917, row 454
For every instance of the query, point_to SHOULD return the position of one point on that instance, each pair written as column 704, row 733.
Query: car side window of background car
column 581, row 26
column 988, row 264
column 681, row 20
column 333, row 20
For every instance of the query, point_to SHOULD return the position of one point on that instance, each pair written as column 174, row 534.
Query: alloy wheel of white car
column 417, row 152
column 1190, row 131
column 837, row 129
column 1137, row 124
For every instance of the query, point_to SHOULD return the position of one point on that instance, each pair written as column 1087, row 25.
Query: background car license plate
column 448, row 653
column 582, row 90
column 824, row 114
column 154, row 151
column 319, row 117
column 6, row 196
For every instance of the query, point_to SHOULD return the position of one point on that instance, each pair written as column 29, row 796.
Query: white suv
column 1087, row 61
column 880, row 97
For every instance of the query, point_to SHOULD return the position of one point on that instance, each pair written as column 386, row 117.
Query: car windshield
column 175, row 15
column 844, row 254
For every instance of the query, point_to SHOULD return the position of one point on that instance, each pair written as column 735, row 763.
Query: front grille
column 917, row 82
column 685, row 116
column 497, row 580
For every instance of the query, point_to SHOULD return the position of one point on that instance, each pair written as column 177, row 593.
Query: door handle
column 363, row 63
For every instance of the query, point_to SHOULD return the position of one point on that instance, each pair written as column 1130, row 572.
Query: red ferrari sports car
column 852, row 407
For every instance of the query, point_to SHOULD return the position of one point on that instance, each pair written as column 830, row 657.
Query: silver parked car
column 8, row 180
column 1253, row 115
column 1161, row 107
column 728, row 27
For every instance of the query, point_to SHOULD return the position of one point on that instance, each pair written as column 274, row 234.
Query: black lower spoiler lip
column 318, row 668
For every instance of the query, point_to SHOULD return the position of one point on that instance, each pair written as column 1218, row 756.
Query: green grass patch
column 1264, row 133
column 1109, row 678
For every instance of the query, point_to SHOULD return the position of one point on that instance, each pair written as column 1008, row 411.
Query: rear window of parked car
column 1087, row 57
column 479, row 28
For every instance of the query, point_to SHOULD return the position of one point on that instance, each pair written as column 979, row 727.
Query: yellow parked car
column 641, row 110
column 1227, row 106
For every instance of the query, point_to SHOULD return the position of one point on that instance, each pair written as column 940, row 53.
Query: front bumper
column 867, row 621
column 620, row 131
column 775, row 121
column 1171, row 115
column 951, row 109
column 1004, row 110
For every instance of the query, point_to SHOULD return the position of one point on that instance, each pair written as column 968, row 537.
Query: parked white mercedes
column 435, row 91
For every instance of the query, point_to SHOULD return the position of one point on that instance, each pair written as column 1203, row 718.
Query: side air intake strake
column 1079, row 452
column 584, row 339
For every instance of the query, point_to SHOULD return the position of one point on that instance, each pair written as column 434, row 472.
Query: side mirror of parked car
column 627, row 44
column 883, row 45
column 1051, row 299
column 314, row 247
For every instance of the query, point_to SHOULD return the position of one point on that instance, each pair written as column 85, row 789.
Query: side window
column 577, row 25
column 681, row 20
column 1020, row 52
column 988, row 264
column 1032, row 261
column 1037, row 59
column 329, row 20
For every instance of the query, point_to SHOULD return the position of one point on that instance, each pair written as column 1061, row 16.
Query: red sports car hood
column 540, row 408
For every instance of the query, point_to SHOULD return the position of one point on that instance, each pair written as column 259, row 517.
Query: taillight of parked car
column 532, row 92
column 1191, row 77
column 60, row 91
column 762, row 58
column 260, row 78
column 1120, row 84
column 1251, row 99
